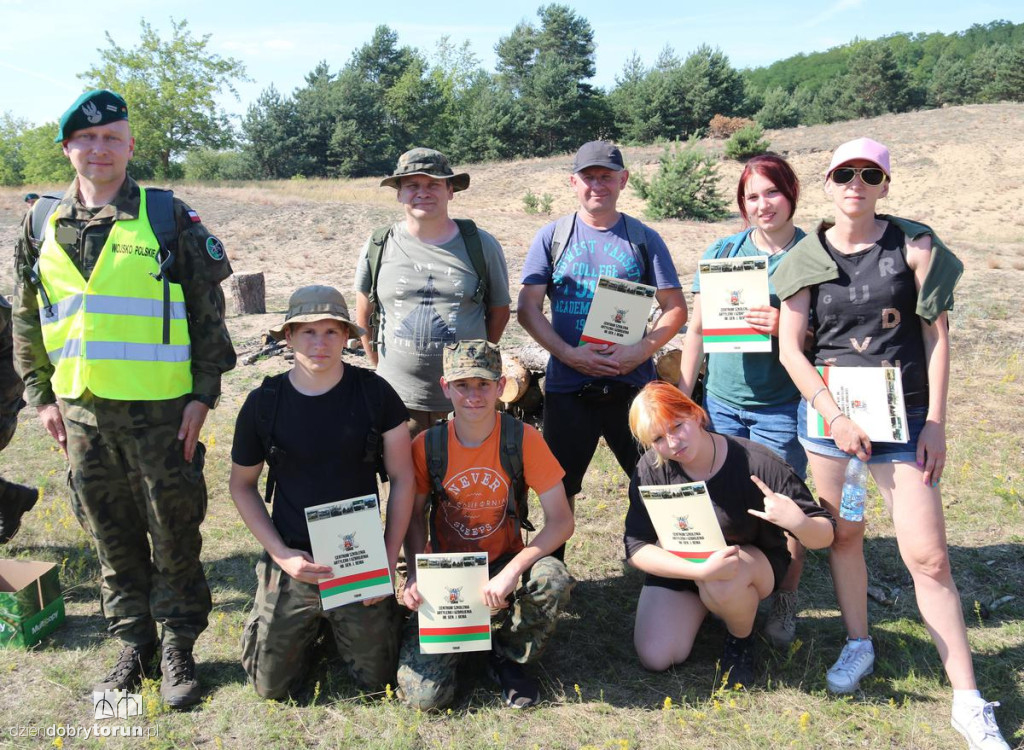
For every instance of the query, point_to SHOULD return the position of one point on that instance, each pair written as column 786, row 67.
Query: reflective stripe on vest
column 105, row 335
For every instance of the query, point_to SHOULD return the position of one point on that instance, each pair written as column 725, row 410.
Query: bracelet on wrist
column 831, row 421
column 816, row 394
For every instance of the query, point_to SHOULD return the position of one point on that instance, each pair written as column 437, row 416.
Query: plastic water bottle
column 855, row 491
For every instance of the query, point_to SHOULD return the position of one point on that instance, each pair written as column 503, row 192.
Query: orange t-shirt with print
column 474, row 517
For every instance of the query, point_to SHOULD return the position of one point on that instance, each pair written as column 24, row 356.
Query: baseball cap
column 312, row 303
column 598, row 154
column 472, row 358
column 96, row 107
column 31, row 197
column 429, row 162
column 861, row 148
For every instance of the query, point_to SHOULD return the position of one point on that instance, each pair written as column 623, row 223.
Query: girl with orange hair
column 756, row 496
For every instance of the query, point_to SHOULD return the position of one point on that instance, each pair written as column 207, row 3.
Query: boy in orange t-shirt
column 527, row 587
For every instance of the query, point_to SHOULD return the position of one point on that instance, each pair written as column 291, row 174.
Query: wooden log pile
column 524, row 368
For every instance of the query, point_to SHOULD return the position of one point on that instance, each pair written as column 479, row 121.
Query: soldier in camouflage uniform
column 127, row 399
column 528, row 588
column 314, row 432
column 15, row 499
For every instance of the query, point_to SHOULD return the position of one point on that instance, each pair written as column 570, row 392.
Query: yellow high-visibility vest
column 118, row 334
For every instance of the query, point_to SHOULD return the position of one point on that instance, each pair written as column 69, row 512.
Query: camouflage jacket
column 199, row 266
column 10, row 384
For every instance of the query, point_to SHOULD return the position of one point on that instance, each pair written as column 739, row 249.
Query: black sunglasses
column 868, row 175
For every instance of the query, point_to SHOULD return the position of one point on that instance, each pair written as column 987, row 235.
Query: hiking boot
column 855, row 662
column 781, row 625
column 15, row 503
column 977, row 723
column 132, row 665
column 737, row 662
column 517, row 688
column 179, row 687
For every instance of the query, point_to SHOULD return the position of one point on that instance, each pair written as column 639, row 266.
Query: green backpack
column 511, row 453
column 470, row 235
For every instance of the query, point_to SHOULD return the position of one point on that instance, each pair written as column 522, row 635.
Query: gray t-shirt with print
column 425, row 293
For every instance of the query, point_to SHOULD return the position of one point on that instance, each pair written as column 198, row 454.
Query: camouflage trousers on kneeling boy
column 519, row 633
column 278, row 637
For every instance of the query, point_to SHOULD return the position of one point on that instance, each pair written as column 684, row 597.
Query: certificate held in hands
column 684, row 519
column 870, row 396
column 618, row 313
column 729, row 287
column 347, row 536
column 453, row 617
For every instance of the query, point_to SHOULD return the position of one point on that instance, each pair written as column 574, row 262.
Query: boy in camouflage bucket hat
column 319, row 421
column 527, row 588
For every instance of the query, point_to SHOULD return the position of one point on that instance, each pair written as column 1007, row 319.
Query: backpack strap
column 511, row 453
column 40, row 214
column 374, row 253
column 637, row 229
column 727, row 247
column 475, row 250
column 266, row 415
column 435, row 443
column 560, row 239
column 160, row 209
column 373, row 451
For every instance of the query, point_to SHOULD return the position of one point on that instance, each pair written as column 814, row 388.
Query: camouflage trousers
column 133, row 491
column 6, row 433
column 519, row 633
column 278, row 637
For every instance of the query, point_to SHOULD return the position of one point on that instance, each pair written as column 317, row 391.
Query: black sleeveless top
column 867, row 317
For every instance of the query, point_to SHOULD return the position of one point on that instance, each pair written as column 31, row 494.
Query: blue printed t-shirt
column 588, row 254
column 755, row 379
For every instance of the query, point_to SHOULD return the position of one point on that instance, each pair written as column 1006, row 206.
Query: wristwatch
column 210, row 401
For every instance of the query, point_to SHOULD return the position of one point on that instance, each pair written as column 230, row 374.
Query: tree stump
column 248, row 293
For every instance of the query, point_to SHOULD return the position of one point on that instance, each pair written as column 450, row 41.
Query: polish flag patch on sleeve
column 194, row 216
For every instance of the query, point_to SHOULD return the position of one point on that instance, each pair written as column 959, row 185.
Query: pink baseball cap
column 862, row 148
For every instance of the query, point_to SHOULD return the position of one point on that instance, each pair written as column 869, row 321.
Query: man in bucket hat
column 311, row 425
column 120, row 339
column 425, row 282
column 589, row 388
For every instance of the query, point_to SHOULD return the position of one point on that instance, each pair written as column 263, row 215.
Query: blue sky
column 46, row 44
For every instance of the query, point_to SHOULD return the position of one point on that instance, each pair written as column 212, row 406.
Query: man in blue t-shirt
column 589, row 388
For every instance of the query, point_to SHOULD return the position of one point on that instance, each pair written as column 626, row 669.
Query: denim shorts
column 774, row 427
column 881, row 453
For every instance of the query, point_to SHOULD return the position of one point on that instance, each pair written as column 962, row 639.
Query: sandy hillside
column 959, row 169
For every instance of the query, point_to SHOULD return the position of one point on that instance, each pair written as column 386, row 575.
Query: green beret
column 92, row 108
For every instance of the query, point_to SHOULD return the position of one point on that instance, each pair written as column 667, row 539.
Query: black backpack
column 266, row 416
column 511, row 453
column 634, row 228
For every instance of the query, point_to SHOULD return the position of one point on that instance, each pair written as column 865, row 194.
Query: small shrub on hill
column 747, row 143
column 722, row 126
column 685, row 186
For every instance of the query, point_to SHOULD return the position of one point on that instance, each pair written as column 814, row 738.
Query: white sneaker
column 977, row 723
column 856, row 661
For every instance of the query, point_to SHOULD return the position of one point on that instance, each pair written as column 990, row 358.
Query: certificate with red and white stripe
column 684, row 519
column 453, row 616
column 729, row 287
column 347, row 535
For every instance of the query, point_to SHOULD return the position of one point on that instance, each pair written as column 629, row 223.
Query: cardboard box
column 31, row 603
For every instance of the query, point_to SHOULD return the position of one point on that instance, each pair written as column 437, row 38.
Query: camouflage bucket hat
column 312, row 303
column 429, row 162
column 474, row 358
